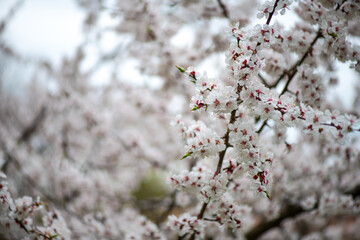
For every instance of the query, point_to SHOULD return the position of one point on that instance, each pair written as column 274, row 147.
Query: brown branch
column 267, row 23
column 8, row 158
column 219, row 166
column 200, row 216
column 294, row 69
column 31, row 129
column 264, row 81
column 224, row 9
column 291, row 73
column 226, row 142
column 289, row 211
column 279, row 79
column 272, row 13
column 262, row 127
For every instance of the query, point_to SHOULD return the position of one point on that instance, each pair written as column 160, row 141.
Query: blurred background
column 88, row 89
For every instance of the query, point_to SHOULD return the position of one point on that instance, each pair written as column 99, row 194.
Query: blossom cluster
column 199, row 139
column 250, row 155
column 185, row 224
column 25, row 217
column 232, row 215
column 312, row 90
column 211, row 94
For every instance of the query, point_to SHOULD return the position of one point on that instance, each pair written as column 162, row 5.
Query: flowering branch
column 226, row 136
column 219, row 167
column 291, row 73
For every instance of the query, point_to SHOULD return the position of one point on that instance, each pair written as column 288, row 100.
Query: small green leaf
column 181, row 69
column 194, row 108
column 267, row 194
column 334, row 35
column 186, row 155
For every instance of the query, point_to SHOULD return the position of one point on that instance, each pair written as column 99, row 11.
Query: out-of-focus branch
column 65, row 144
column 24, row 136
column 31, row 129
column 224, row 9
column 7, row 156
column 288, row 211
column 10, row 14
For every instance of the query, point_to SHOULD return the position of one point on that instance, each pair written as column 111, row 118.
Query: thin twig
column 219, row 166
column 226, row 142
column 291, row 73
column 224, row 9
column 272, row 13
column 294, row 69
column 10, row 14
column 264, row 81
column 262, row 126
